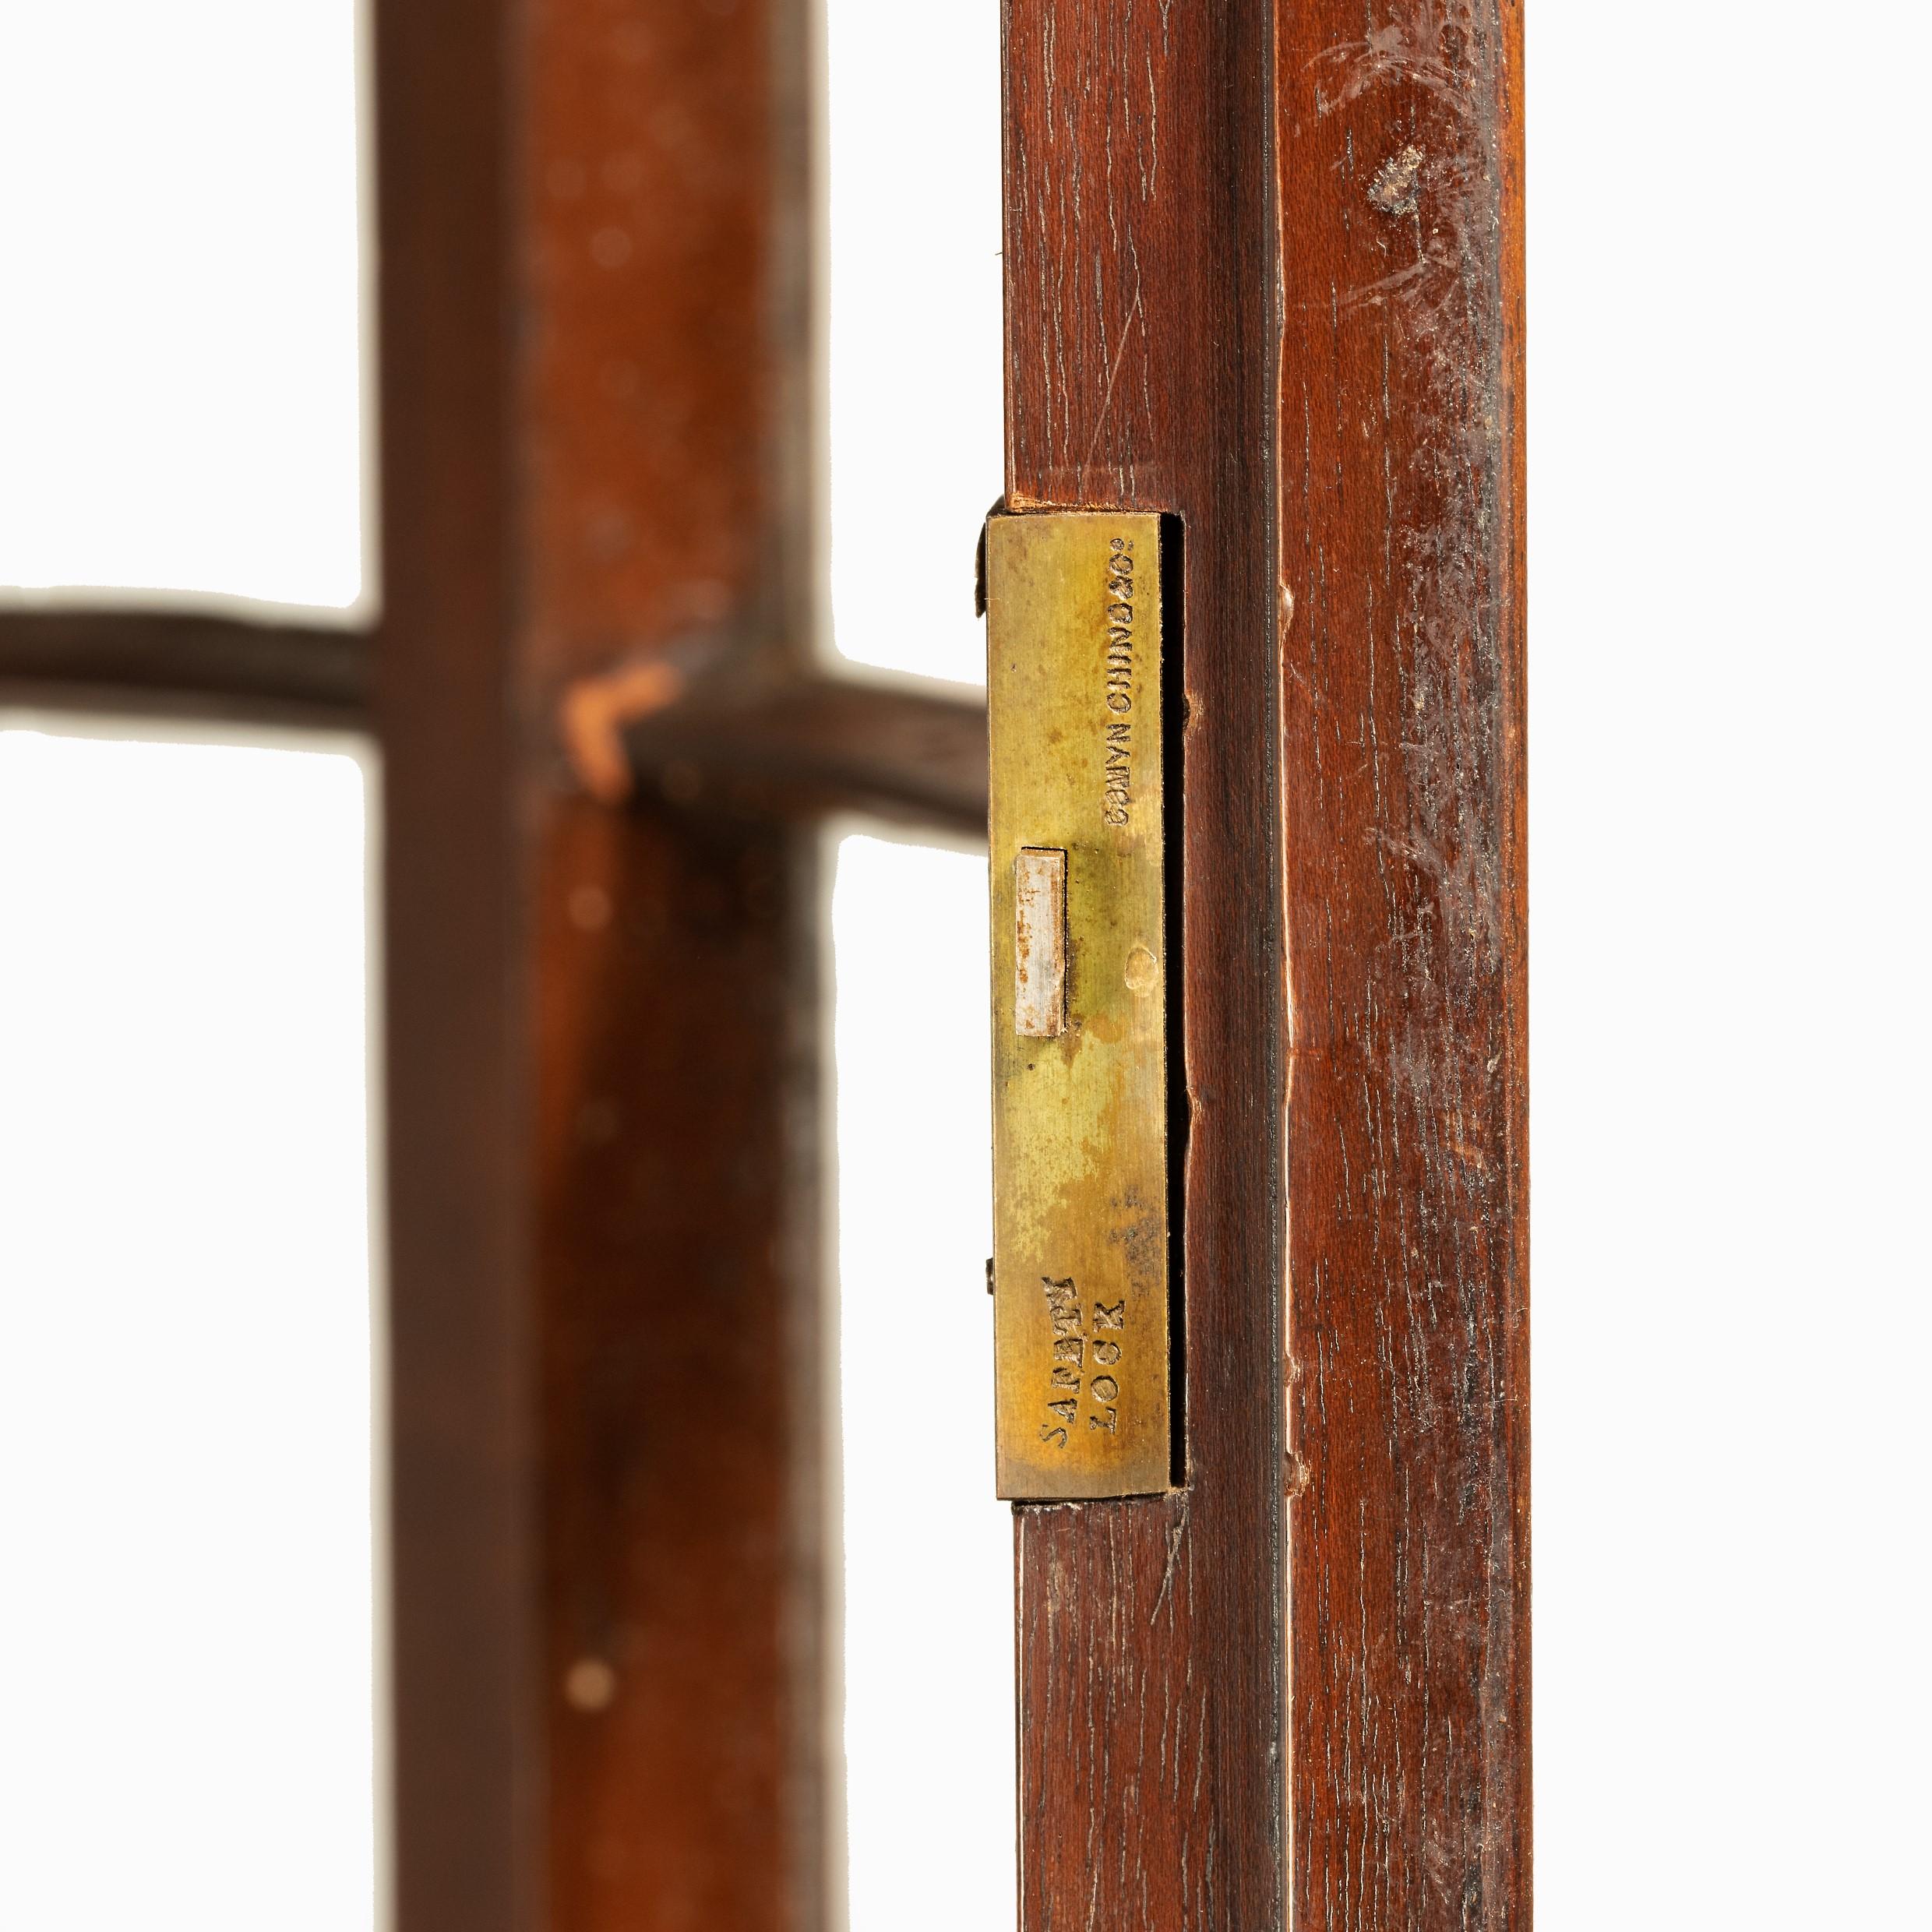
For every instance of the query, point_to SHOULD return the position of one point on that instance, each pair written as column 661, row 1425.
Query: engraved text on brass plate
column 1080, row 1074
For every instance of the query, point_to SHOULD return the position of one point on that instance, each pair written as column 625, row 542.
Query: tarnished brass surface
column 1079, row 1090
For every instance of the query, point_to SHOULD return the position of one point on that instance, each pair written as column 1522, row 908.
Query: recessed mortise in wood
column 1081, row 1290
column 1039, row 944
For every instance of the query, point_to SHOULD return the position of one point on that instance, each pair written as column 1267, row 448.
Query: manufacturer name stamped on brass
column 1081, row 1293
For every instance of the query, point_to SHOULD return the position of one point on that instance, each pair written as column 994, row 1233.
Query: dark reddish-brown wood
column 185, row 663
column 780, row 743
column 658, row 233
column 1264, row 270
column 677, row 1239
column 601, row 1089
column 660, row 210
column 1399, row 162
column 799, row 747
column 1139, row 310
column 466, row 1776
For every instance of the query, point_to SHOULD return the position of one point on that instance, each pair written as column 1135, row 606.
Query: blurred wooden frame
column 1263, row 272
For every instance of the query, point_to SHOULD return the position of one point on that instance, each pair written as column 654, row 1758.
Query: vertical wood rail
column 662, row 238
column 1399, row 158
column 465, row 1783
column 1346, row 456
column 1140, row 361
column 600, row 1023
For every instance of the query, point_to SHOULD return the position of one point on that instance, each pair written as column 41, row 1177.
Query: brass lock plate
column 1080, row 1284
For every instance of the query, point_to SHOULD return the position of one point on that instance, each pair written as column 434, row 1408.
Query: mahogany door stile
column 1139, row 366
column 1399, row 159
column 1263, row 272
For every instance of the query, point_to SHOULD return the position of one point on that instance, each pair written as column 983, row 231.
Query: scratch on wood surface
column 1106, row 401
column 1401, row 703
column 1174, row 1536
column 1391, row 53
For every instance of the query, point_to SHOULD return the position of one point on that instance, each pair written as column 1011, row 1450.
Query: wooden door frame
column 1263, row 272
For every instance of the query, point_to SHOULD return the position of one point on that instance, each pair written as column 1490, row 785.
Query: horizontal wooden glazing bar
column 186, row 664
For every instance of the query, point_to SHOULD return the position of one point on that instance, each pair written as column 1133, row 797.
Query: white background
column 913, row 335
column 1728, row 980
column 1729, row 644
column 187, row 1571
column 180, row 408
column 927, row 1607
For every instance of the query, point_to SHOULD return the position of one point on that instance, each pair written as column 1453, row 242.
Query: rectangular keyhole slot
column 1039, row 947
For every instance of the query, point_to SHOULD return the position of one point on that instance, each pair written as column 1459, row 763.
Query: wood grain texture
column 1399, row 162
column 1166, row 172
column 181, row 663
column 1139, row 257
